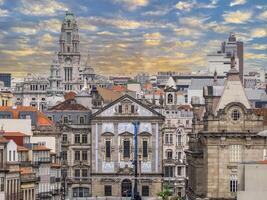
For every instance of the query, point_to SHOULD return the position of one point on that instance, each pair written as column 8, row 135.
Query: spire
column 88, row 60
column 85, row 84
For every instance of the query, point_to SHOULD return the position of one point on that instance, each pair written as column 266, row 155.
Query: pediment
column 126, row 106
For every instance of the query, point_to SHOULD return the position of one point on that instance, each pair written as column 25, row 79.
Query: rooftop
column 42, row 120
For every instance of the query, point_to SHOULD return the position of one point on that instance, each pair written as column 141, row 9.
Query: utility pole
column 135, row 194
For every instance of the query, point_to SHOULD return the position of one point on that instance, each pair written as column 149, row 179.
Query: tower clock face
column 235, row 114
column 68, row 61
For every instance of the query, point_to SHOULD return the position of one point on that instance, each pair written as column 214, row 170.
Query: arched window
column 126, row 188
column 179, row 137
column 10, row 155
column 170, row 98
column 14, row 155
column 169, row 154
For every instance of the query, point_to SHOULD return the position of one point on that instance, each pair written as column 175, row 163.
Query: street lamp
column 135, row 195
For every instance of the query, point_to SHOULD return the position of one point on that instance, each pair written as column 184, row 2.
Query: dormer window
column 235, row 115
column 170, row 98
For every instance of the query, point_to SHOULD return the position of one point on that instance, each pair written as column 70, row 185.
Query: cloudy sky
column 130, row 36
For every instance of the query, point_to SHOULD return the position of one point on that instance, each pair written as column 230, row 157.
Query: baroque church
column 67, row 73
column 224, row 134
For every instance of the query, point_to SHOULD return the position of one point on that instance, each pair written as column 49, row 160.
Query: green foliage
column 165, row 194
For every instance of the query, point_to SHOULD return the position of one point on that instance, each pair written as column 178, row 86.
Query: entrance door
column 126, row 188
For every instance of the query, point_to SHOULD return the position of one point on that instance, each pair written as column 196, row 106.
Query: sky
column 125, row 37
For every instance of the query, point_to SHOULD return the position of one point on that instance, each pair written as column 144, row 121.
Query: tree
column 165, row 194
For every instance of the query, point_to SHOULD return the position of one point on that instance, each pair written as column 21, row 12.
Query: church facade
column 224, row 134
column 113, row 149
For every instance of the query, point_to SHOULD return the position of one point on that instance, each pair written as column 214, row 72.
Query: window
column 145, row 153
column 166, row 138
column 107, row 149
column 179, row 138
column 179, row 155
column 77, row 173
column 77, row 138
column 233, row 183
column 170, row 98
column 120, row 108
column 171, row 138
column 84, row 155
column 80, row 192
column 2, row 187
column 108, row 190
column 168, row 171
column 132, row 109
column 82, row 120
column 185, row 98
column 145, row 190
column 77, row 155
column 10, row 155
column 14, row 156
column 65, row 120
column 235, row 153
column 235, row 115
column 68, row 37
column 179, row 171
column 64, row 138
column 84, row 138
column 64, row 155
column 126, row 148
column 169, row 154
column 84, row 173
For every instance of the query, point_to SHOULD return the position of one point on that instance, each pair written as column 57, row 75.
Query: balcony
column 25, row 163
column 173, row 161
column 41, row 160
column 45, row 195
column 29, row 178
column 55, row 192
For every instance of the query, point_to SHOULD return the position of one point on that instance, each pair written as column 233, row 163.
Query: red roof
column 3, row 140
column 119, row 88
column 69, row 95
column 41, row 148
column 69, row 104
column 14, row 134
column 22, row 148
column 42, row 120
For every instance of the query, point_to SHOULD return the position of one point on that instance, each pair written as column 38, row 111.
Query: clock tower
column 69, row 54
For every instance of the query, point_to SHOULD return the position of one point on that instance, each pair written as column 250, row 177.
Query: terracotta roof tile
column 22, row 148
column 119, row 88
column 69, row 95
column 16, row 134
column 42, row 120
column 40, row 148
column 3, row 140
column 108, row 95
column 69, row 104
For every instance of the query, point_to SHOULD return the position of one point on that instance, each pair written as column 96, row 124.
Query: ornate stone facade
column 67, row 73
column 224, row 134
column 113, row 149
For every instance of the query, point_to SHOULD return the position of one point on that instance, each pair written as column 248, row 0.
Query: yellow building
column 6, row 98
